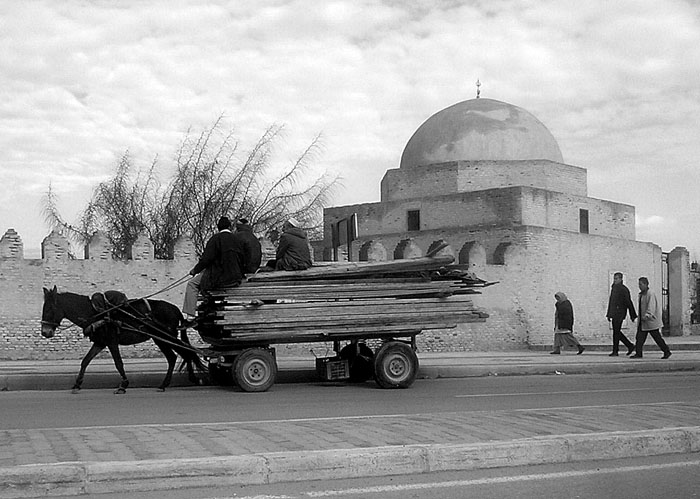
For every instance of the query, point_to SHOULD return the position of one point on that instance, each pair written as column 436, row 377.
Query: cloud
column 81, row 82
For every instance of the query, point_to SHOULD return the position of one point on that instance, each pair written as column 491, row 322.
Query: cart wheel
column 255, row 370
column 221, row 376
column 361, row 363
column 395, row 365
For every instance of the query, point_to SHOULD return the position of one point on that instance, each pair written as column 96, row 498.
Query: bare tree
column 211, row 178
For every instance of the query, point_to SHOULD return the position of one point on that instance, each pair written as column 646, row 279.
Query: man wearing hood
column 564, row 325
column 252, row 251
column 293, row 249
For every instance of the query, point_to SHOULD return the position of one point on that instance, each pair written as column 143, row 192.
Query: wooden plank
column 357, row 268
column 353, row 309
column 357, row 321
column 319, row 294
column 457, row 300
column 332, row 287
column 311, row 335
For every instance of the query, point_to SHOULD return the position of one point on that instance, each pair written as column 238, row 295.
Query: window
column 413, row 219
column 583, row 221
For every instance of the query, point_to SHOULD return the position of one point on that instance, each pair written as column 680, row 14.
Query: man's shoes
column 614, row 354
column 666, row 355
column 635, row 356
column 580, row 350
column 555, row 352
column 630, row 350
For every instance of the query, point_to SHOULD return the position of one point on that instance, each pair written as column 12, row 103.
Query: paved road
column 318, row 401
column 190, row 436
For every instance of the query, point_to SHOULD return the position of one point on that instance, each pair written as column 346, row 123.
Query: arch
column 373, row 251
column 407, row 248
column 508, row 253
column 472, row 254
column 499, row 256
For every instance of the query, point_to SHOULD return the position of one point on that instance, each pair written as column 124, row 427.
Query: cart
column 370, row 312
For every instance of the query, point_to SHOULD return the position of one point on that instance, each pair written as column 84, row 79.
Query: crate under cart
column 332, row 368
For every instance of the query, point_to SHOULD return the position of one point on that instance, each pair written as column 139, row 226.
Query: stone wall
column 21, row 283
column 511, row 206
column 529, row 265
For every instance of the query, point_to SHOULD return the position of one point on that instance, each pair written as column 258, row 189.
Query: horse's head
column 52, row 314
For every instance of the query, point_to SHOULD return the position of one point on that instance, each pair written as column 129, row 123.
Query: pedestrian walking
column 564, row 325
column 619, row 304
column 650, row 322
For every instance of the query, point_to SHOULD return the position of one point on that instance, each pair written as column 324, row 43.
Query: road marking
column 625, row 390
column 379, row 489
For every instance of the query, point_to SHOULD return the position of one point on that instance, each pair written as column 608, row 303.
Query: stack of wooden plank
column 344, row 301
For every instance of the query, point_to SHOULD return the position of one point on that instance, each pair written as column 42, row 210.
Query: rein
column 143, row 320
column 169, row 286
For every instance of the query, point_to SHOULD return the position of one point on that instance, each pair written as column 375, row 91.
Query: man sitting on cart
column 221, row 265
column 293, row 248
column 252, row 250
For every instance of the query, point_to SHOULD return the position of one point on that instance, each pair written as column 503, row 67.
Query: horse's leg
column 189, row 361
column 119, row 364
column 171, row 357
column 91, row 354
column 191, row 375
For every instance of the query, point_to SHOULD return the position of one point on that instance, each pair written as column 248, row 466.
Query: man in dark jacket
column 293, row 249
column 252, row 251
column 619, row 303
column 221, row 265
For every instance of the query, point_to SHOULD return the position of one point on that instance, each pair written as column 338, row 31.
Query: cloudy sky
column 616, row 82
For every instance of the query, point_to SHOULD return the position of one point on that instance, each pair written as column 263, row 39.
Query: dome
column 480, row 129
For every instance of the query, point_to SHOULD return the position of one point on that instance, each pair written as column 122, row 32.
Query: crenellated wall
column 528, row 263
column 21, row 283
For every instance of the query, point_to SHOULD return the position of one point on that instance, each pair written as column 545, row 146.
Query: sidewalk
column 76, row 461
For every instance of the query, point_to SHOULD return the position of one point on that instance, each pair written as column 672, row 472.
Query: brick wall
column 530, row 264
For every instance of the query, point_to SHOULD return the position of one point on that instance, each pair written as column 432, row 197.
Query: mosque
column 489, row 179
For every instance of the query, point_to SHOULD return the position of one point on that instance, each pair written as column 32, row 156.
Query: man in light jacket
column 649, row 320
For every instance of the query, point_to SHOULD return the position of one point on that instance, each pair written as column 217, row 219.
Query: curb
column 629, row 367
column 138, row 476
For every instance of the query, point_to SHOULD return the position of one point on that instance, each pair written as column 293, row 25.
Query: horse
column 131, row 322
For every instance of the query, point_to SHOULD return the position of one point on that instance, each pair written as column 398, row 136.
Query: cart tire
column 220, row 376
column 255, row 370
column 361, row 364
column 395, row 365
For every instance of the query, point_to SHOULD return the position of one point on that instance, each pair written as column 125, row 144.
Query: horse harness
column 105, row 303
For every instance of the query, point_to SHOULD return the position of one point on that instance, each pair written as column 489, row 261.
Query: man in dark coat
column 293, row 249
column 252, row 251
column 619, row 304
column 221, row 265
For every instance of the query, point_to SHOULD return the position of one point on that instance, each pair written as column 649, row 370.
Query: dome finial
column 478, row 90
